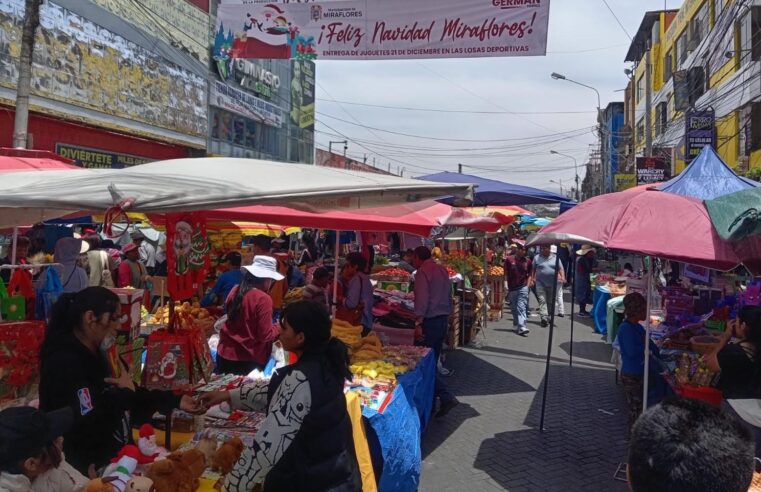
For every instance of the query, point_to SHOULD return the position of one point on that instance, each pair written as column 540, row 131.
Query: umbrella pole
column 14, row 245
column 486, row 289
column 573, row 302
column 650, row 270
column 335, row 271
column 551, row 306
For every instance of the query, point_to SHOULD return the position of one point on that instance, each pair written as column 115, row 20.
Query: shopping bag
column 48, row 294
column 203, row 364
column 20, row 344
column 3, row 300
column 20, row 293
column 168, row 363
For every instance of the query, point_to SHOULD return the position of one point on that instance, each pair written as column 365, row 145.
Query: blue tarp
column 706, row 178
column 400, row 426
column 491, row 192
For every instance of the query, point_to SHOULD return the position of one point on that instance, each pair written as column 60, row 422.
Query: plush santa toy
column 120, row 472
column 146, row 443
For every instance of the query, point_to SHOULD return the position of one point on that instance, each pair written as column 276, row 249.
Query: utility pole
column 459, row 168
column 24, row 84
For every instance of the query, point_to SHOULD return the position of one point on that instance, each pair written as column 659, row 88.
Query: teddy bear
column 179, row 472
column 227, row 455
column 99, row 485
column 140, row 484
column 208, row 447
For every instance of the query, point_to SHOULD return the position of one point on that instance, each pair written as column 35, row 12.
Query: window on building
column 681, row 48
column 640, row 88
column 661, row 118
column 750, row 35
column 668, row 65
column 718, row 8
column 698, row 28
column 641, row 130
column 750, row 129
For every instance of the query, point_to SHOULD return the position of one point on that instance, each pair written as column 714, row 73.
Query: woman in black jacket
column 75, row 373
column 305, row 443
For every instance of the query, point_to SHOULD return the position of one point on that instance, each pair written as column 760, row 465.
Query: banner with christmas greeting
column 382, row 29
column 187, row 254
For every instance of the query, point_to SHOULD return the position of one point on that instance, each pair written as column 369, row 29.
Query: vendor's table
column 600, row 308
column 400, row 425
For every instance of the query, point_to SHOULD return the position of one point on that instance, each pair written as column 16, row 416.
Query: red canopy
column 17, row 160
column 414, row 218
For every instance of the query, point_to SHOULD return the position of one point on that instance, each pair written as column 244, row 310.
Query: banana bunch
column 368, row 349
column 348, row 334
column 293, row 295
column 377, row 369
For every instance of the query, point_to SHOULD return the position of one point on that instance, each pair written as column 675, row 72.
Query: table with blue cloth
column 600, row 308
column 399, row 428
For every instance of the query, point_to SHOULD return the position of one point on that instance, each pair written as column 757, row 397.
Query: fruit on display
column 496, row 271
column 294, row 295
column 393, row 273
column 348, row 334
column 367, row 349
column 377, row 369
column 200, row 315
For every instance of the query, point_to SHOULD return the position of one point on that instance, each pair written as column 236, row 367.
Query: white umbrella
column 204, row 183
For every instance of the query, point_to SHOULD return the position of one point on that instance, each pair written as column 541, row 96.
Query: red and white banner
column 382, row 29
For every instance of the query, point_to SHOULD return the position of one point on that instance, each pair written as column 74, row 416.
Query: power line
column 454, row 111
column 617, row 20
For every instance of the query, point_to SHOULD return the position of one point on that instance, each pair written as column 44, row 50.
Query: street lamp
column 330, row 145
column 559, row 183
column 575, row 168
column 558, row 76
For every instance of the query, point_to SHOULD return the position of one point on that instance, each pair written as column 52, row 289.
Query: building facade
column 612, row 123
column 107, row 92
column 697, row 81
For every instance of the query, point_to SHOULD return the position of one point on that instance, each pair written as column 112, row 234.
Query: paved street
column 492, row 440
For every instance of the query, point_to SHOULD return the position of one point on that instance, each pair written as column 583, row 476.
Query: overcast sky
column 585, row 43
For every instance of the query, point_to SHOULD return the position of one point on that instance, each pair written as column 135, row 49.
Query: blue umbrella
column 492, row 192
column 706, row 178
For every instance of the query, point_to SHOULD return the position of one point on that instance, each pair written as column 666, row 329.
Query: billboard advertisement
column 382, row 29
column 80, row 63
column 302, row 93
column 652, row 170
column 625, row 181
column 700, row 131
column 98, row 159
column 245, row 104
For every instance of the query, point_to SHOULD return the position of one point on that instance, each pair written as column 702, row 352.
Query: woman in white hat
column 585, row 264
column 245, row 341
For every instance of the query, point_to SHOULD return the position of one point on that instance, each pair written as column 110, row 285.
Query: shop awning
column 205, row 183
column 491, row 192
column 414, row 218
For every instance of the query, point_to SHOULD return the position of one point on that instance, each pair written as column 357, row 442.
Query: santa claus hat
column 147, row 430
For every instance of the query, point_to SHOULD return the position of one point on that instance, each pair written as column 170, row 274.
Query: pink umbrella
column 16, row 160
column 646, row 221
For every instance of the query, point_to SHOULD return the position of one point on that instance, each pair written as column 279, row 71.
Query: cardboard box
column 131, row 301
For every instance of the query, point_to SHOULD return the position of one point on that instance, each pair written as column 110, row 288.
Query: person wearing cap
column 146, row 250
column 245, row 340
column 67, row 252
column 544, row 277
column 31, row 458
column 76, row 373
column 132, row 273
column 433, row 305
column 225, row 283
column 585, row 265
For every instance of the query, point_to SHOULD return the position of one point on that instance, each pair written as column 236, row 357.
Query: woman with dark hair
column 74, row 372
column 245, row 340
column 309, row 254
column 739, row 362
column 305, row 443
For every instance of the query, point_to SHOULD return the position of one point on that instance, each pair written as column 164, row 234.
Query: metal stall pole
column 486, row 289
column 335, row 272
column 549, row 346
column 650, row 271
column 573, row 308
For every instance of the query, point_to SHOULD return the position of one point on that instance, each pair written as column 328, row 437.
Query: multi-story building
column 699, row 67
column 122, row 82
column 611, row 122
column 106, row 92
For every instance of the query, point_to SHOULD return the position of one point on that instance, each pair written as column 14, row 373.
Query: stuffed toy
column 121, row 472
column 208, row 447
column 140, row 484
column 146, row 443
column 179, row 472
column 99, row 485
column 227, row 455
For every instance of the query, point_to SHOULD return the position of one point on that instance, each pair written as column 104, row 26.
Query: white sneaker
column 523, row 331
